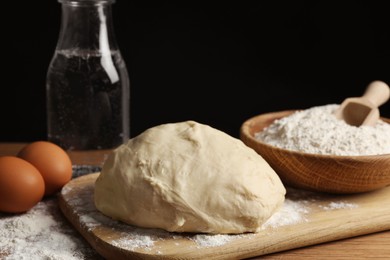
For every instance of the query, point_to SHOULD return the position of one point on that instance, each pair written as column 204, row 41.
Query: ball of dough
column 188, row 177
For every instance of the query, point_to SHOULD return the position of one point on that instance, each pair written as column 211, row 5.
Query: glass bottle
column 87, row 87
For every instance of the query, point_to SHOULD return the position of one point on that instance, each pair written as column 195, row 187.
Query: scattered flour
column 208, row 240
column 292, row 212
column 316, row 130
column 136, row 241
column 339, row 205
column 43, row 233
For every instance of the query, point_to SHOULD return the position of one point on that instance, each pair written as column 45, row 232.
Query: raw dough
column 188, row 177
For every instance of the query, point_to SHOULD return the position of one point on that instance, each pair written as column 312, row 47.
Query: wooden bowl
column 322, row 173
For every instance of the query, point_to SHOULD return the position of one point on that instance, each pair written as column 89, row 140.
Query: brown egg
column 51, row 161
column 21, row 185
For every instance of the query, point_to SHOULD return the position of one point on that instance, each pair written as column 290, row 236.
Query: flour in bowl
column 316, row 130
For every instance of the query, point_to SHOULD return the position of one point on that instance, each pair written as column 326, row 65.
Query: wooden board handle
column 377, row 93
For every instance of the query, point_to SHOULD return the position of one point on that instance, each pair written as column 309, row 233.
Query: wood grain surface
column 370, row 214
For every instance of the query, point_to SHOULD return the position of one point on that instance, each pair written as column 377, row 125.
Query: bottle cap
column 87, row 2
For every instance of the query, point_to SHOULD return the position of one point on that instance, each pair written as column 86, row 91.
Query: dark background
column 216, row 64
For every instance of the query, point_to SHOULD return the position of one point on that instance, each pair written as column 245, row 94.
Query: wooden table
column 375, row 246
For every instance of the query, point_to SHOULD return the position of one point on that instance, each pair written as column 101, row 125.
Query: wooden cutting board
column 322, row 218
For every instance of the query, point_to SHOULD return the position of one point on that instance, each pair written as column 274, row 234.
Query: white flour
column 316, row 130
column 339, row 205
column 43, row 233
column 292, row 212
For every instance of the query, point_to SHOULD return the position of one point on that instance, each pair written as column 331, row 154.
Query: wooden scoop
column 364, row 110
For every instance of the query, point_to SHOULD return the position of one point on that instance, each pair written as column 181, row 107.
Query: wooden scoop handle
column 377, row 93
